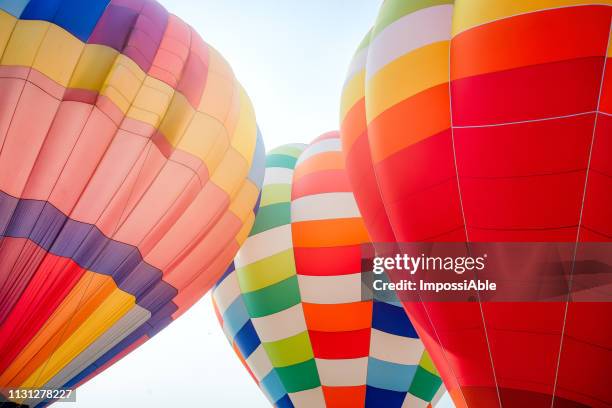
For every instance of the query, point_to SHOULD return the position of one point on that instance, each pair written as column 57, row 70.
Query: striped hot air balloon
column 293, row 307
column 485, row 121
column 130, row 164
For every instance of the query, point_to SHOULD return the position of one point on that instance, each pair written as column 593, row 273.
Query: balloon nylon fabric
column 292, row 309
column 130, row 164
column 491, row 121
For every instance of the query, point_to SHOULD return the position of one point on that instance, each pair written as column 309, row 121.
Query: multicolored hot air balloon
column 130, row 164
column 293, row 307
column 484, row 121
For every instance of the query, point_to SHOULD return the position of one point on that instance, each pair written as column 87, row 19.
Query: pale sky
column 291, row 57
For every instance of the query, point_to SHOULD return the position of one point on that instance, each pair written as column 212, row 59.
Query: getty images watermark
column 493, row 272
column 413, row 264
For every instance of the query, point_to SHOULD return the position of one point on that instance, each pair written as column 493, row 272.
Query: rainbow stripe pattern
column 130, row 167
column 293, row 308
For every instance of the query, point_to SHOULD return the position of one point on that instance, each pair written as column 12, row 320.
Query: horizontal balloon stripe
column 322, row 146
column 270, row 242
column 528, row 93
column 425, row 385
column 524, row 203
column 391, row 11
column 390, row 376
column 44, row 225
column 329, row 232
column 271, row 216
column 338, row 317
column 480, row 12
column 280, row 160
column 434, row 152
column 277, row 175
column 272, row 299
column 328, row 261
column 353, row 396
column 505, row 151
column 427, row 68
column 377, row 396
column 289, row 351
column 544, row 37
column 277, row 326
column 342, row 372
column 308, row 398
column 325, row 181
column 391, row 319
column 398, row 349
column 416, row 30
column 324, row 207
column 275, row 194
column 266, row 271
column 330, row 289
column 323, row 161
column 340, row 345
column 299, row 377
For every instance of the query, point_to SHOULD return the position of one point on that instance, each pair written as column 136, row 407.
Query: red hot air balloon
column 491, row 121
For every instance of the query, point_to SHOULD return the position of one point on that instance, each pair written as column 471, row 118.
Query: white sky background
column 291, row 56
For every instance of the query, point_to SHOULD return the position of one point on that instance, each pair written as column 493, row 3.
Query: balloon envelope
column 489, row 121
column 293, row 307
column 130, row 164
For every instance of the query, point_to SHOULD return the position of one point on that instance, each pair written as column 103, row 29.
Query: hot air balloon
column 130, row 164
column 293, row 309
column 490, row 121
